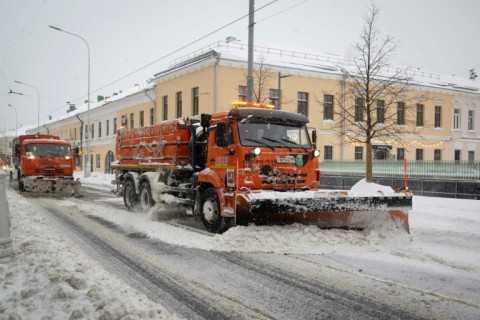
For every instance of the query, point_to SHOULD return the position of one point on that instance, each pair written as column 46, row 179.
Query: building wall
column 218, row 82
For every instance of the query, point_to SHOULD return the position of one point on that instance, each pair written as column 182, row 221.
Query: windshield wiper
column 295, row 143
column 278, row 141
column 260, row 142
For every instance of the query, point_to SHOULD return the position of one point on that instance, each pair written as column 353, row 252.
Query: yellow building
column 443, row 125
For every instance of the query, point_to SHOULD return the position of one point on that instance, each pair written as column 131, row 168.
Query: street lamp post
column 87, row 162
column 280, row 77
column 38, row 97
column 16, row 119
column 4, row 138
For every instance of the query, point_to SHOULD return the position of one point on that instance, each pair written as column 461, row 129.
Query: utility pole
column 251, row 22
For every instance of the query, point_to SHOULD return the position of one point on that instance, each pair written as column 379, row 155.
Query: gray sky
column 436, row 35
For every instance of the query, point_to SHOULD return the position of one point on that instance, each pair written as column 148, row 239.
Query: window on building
column 400, row 154
column 86, row 132
column 97, row 161
column 132, row 121
column 242, row 93
column 75, row 134
column 107, row 128
column 195, row 101
column 418, row 154
column 380, row 111
column 471, row 155
column 142, row 119
column 438, row 116
column 152, row 116
column 328, row 152
column 358, row 109
column 437, row 154
column 420, row 109
column 456, row 119
column 114, row 125
column 273, row 97
column 302, row 103
column 358, row 153
column 458, row 155
column 100, row 129
column 165, row 108
column 92, row 131
column 471, row 120
column 179, row 101
column 327, row 107
column 401, row 113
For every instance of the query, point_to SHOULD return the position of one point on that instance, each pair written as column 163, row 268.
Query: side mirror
column 205, row 120
column 314, row 138
column 221, row 135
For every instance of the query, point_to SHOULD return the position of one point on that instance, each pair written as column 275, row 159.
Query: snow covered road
column 293, row 272
column 209, row 284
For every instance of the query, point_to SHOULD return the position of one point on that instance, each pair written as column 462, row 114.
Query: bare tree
column 374, row 103
column 262, row 76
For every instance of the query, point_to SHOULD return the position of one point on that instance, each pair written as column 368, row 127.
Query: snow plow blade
column 325, row 209
column 61, row 187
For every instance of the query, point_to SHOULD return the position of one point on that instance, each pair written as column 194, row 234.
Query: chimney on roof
column 71, row 108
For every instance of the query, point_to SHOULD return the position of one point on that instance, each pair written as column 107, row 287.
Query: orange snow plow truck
column 44, row 164
column 251, row 164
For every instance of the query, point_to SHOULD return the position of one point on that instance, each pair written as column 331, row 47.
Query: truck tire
column 210, row 212
column 129, row 196
column 146, row 200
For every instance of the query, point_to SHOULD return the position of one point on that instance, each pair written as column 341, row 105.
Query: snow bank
column 49, row 277
column 96, row 180
column 363, row 188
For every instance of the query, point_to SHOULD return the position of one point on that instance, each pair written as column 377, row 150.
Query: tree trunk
column 369, row 163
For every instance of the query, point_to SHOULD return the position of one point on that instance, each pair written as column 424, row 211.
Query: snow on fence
column 456, row 170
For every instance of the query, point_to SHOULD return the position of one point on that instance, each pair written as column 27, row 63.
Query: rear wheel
column 210, row 212
column 129, row 196
column 146, row 200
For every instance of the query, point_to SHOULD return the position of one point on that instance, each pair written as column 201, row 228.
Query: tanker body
column 249, row 164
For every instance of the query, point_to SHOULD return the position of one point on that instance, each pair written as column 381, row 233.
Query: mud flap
column 336, row 211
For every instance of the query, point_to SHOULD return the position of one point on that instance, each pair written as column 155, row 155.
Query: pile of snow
column 96, row 180
column 363, row 188
column 49, row 277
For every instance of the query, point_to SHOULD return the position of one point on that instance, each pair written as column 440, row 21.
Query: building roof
column 310, row 60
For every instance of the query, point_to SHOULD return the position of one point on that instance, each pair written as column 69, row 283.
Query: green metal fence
column 456, row 170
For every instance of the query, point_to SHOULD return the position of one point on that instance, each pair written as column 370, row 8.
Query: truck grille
column 49, row 171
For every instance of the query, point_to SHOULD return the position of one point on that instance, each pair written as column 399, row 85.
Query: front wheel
column 210, row 212
column 146, row 200
column 129, row 196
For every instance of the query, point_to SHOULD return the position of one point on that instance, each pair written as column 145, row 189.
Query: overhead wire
column 179, row 49
column 192, row 43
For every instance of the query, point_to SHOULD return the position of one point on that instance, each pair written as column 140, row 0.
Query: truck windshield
column 255, row 134
column 48, row 149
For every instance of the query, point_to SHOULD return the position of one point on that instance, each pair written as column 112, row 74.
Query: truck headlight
column 256, row 151
column 316, row 153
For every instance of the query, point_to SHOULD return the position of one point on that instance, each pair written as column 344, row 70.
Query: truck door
column 223, row 156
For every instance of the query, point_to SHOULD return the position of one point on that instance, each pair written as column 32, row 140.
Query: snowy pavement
column 49, row 276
